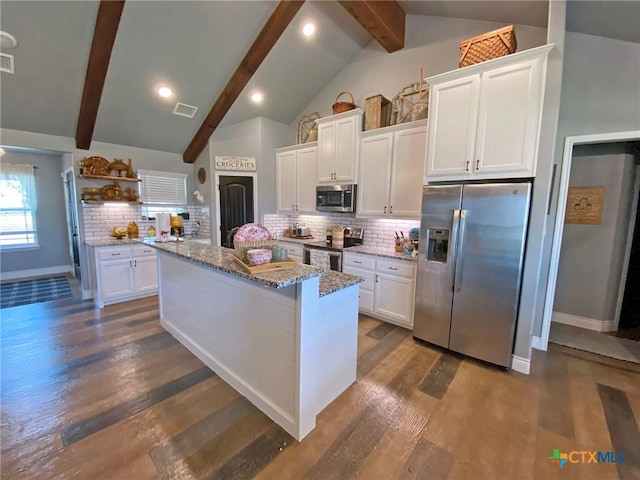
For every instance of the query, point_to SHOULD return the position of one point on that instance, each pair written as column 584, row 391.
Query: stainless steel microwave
column 336, row 198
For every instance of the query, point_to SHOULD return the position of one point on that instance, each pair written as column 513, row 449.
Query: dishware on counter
column 252, row 231
column 259, row 256
column 279, row 254
column 118, row 232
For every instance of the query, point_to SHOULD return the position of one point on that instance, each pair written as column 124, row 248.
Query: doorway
column 72, row 221
column 236, row 204
column 629, row 324
column 570, row 142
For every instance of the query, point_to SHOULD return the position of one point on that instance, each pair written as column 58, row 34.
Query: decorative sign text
column 236, row 163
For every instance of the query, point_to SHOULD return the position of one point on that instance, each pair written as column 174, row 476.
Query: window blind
column 162, row 188
column 17, row 206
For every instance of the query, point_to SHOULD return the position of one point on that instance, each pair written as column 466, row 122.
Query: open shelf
column 109, row 177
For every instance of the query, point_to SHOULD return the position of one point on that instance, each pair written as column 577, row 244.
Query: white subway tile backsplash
column 377, row 232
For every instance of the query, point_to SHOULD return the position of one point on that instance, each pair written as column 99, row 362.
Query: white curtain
column 19, row 186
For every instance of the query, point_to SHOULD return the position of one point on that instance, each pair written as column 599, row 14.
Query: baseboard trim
column 35, row 272
column 87, row 294
column 536, row 342
column 520, row 364
column 583, row 322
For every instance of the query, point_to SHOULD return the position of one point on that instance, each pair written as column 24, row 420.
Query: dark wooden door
column 236, row 205
column 630, row 312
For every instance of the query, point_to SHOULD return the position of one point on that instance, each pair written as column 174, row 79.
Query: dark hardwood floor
column 108, row 393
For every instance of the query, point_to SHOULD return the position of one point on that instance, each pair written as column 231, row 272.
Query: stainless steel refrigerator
column 472, row 241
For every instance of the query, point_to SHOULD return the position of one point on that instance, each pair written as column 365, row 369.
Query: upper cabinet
column 338, row 144
column 484, row 120
column 296, row 178
column 392, row 164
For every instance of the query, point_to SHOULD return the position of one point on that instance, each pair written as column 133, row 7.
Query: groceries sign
column 247, row 164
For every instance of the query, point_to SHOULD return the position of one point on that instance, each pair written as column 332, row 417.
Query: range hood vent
column 185, row 110
column 6, row 63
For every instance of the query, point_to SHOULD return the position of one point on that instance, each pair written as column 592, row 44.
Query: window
column 17, row 206
column 162, row 192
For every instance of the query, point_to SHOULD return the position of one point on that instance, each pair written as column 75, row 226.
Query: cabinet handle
column 391, row 209
column 376, row 278
column 467, row 166
column 357, row 261
column 392, row 268
column 115, row 254
column 385, row 209
column 293, row 207
column 130, row 266
column 477, row 164
column 135, row 263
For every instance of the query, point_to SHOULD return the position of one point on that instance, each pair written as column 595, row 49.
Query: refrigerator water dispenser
column 437, row 244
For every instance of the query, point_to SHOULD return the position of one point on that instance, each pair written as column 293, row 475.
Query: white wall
column 600, row 94
column 53, row 250
column 592, row 255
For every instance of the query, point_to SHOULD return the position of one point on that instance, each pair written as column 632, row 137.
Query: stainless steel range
column 325, row 255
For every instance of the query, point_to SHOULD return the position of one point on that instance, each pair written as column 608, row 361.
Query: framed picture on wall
column 584, row 205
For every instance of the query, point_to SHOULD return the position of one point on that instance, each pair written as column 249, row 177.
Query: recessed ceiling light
column 308, row 29
column 164, row 92
column 256, row 97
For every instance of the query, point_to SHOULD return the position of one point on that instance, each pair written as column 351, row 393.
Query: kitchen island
column 286, row 339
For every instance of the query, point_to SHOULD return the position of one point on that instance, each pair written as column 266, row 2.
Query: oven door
column 327, row 259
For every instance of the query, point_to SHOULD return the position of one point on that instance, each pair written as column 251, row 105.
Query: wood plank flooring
column 90, row 393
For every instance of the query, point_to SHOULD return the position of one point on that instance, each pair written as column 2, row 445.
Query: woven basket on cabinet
column 494, row 44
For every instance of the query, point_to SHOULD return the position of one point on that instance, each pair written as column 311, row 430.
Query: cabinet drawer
column 293, row 249
column 365, row 300
column 113, row 253
column 399, row 268
column 359, row 261
column 143, row 251
column 369, row 276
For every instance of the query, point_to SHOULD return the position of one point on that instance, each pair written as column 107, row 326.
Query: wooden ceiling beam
column 384, row 20
column 104, row 35
column 280, row 18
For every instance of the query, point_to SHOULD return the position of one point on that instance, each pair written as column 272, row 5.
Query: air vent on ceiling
column 6, row 63
column 185, row 110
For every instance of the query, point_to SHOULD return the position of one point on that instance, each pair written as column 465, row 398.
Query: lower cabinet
column 124, row 273
column 294, row 251
column 388, row 289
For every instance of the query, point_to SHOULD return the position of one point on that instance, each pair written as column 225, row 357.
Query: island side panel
column 328, row 348
column 242, row 331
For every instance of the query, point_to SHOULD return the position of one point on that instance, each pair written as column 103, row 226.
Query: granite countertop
column 381, row 252
column 221, row 258
column 333, row 281
column 112, row 242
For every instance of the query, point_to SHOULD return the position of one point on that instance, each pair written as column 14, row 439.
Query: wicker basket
column 340, row 107
column 494, row 44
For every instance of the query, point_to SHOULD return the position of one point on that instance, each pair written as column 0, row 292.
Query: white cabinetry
column 388, row 289
column 124, row 272
column 296, row 180
column 392, row 165
column 294, row 251
column 338, row 144
column 484, row 120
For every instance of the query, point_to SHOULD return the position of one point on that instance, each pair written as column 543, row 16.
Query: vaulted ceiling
column 196, row 46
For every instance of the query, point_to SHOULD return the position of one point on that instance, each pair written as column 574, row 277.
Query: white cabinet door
column 115, row 279
column 453, row 113
column 508, row 119
column 375, row 172
column 286, row 181
column 346, row 146
column 145, row 274
column 407, row 173
column 306, row 166
column 326, row 152
column 394, row 298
